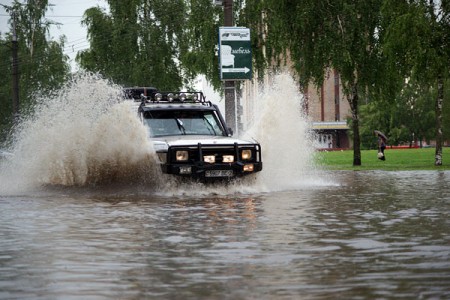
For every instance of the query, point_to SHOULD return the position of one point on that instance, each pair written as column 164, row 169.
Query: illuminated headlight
column 209, row 159
column 181, row 156
column 246, row 154
column 228, row 158
column 248, row 168
column 158, row 97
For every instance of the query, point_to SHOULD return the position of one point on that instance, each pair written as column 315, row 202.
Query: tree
column 417, row 41
column 164, row 43
column 5, row 89
column 408, row 119
column 318, row 35
column 42, row 63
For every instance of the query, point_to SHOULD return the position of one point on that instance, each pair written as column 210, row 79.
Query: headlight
column 246, row 154
column 181, row 156
column 209, row 159
column 228, row 158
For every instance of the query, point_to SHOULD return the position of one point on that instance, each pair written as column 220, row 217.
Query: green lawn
column 396, row 159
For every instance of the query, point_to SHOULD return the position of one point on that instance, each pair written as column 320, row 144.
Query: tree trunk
column 353, row 101
column 439, row 136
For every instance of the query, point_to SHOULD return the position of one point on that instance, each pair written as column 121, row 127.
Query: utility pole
column 15, row 72
column 230, row 90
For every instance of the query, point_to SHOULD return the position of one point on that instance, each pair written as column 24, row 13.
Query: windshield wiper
column 180, row 126
column 209, row 125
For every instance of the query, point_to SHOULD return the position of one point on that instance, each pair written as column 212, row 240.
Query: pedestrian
column 381, row 146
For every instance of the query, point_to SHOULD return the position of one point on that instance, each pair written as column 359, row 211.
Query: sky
column 67, row 12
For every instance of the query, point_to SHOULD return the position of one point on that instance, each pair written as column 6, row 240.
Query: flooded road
column 351, row 235
column 85, row 213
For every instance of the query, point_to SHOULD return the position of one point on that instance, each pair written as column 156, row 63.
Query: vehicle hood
column 162, row 143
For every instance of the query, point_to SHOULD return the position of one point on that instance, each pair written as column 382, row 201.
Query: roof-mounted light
column 182, row 97
column 170, row 97
column 158, row 97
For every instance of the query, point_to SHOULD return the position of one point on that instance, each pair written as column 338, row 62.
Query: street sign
column 235, row 53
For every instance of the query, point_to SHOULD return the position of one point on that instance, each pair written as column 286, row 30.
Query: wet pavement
column 351, row 235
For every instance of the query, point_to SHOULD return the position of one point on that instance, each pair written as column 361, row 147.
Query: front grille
column 196, row 153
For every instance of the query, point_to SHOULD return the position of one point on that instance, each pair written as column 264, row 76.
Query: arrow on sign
column 235, row 70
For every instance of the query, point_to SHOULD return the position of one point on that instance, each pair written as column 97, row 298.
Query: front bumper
column 203, row 170
column 196, row 167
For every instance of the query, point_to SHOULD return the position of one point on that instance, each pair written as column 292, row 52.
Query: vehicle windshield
column 184, row 122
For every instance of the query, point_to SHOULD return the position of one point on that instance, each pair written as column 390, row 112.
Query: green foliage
column 446, row 112
column 163, row 43
column 5, row 89
column 408, row 119
column 319, row 35
column 416, row 40
column 199, row 40
column 42, row 63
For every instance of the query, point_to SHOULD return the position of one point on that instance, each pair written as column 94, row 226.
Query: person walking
column 381, row 144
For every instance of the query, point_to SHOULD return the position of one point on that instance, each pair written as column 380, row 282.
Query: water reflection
column 373, row 235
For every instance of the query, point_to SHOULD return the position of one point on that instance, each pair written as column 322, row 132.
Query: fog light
column 246, row 154
column 209, row 159
column 181, row 156
column 248, row 168
column 228, row 158
column 185, row 170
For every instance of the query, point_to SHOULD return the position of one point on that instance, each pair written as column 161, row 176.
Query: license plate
column 219, row 173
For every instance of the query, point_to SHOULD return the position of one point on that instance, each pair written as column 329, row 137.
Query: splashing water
column 85, row 136
column 282, row 129
column 81, row 136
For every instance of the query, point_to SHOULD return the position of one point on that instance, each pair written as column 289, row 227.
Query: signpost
column 235, row 53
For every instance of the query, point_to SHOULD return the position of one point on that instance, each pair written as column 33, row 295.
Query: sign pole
column 230, row 89
column 15, row 73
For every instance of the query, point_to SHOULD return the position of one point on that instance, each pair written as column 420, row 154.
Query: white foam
column 85, row 136
column 80, row 136
column 286, row 139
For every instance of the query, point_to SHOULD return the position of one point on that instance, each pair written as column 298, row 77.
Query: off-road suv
column 191, row 138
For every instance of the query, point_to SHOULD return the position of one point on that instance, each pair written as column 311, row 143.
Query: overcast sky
column 67, row 12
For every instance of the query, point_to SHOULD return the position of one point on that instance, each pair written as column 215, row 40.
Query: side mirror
column 230, row 131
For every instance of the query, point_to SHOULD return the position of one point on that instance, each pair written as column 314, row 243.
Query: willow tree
column 200, row 39
column 164, row 43
column 417, row 41
column 135, row 43
column 43, row 66
column 319, row 35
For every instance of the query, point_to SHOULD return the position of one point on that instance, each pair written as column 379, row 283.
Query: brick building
column 328, row 109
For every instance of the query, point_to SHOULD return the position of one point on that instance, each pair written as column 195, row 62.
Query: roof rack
column 174, row 97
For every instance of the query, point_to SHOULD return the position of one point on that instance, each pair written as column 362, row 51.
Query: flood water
column 365, row 235
column 85, row 214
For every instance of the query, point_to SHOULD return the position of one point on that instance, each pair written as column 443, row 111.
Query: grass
column 396, row 159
